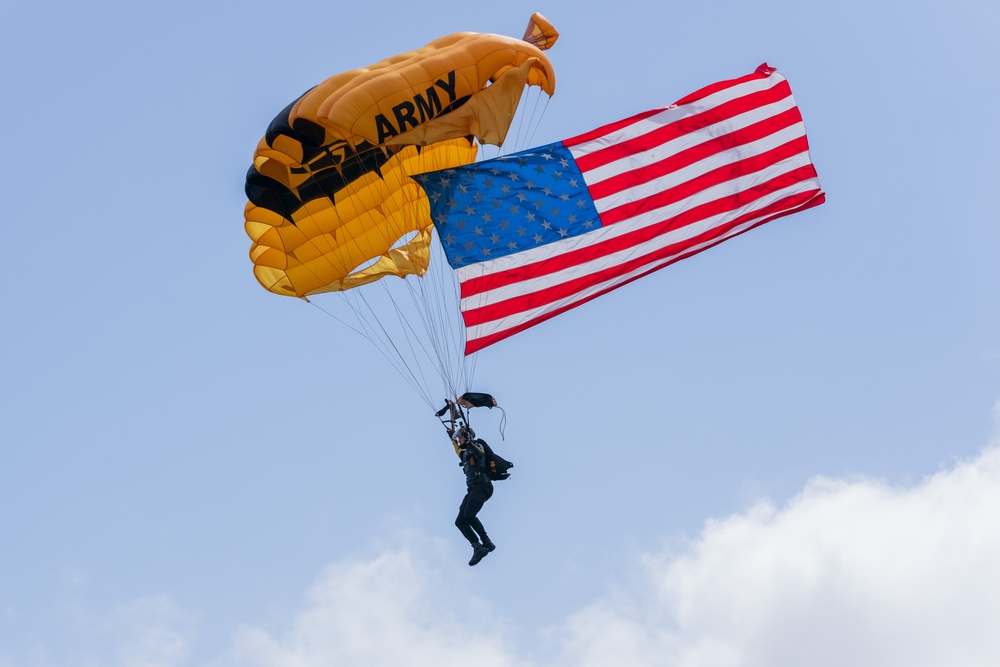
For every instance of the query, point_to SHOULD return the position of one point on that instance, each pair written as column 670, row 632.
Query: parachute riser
column 459, row 418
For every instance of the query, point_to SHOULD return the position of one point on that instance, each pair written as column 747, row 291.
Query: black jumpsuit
column 479, row 488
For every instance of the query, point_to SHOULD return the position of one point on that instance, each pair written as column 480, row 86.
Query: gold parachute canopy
column 331, row 202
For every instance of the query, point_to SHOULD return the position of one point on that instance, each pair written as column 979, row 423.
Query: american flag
column 533, row 234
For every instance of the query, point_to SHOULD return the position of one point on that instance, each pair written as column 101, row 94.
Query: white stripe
column 675, row 113
column 479, row 331
column 652, row 217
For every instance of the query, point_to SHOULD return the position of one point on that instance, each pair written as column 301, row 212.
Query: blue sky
column 782, row 451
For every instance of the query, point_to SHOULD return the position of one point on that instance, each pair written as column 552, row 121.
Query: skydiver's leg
column 462, row 521
column 467, row 521
column 487, row 542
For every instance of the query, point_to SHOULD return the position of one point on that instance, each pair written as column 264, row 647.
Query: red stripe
column 812, row 198
column 541, row 297
column 478, row 284
column 689, row 156
column 683, row 126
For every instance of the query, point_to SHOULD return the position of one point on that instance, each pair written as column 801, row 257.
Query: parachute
column 332, row 205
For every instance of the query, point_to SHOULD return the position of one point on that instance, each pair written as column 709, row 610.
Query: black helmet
column 465, row 432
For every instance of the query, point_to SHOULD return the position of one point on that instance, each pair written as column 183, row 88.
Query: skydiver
column 479, row 488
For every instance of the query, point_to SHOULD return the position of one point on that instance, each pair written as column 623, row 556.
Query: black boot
column 479, row 552
column 488, row 544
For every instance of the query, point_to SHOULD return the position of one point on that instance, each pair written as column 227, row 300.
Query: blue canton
column 509, row 204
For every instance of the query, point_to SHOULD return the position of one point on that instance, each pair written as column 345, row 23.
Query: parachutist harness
column 458, row 420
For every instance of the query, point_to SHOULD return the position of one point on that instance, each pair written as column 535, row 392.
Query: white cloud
column 389, row 611
column 849, row 572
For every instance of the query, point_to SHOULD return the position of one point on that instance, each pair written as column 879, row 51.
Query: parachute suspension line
column 381, row 343
column 541, row 115
column 425, row 306
column 455, row 324
column 468, row 362
column 418, row 381
column 429, row 320
column 452, row 325
column 519, row 138
column 378, row 344
column 407, row 325
column 385, row 343
column 429, row 297
column 456, row 327
column 357, row 331
column 527, row 128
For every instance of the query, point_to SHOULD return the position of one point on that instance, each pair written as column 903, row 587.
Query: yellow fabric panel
column 261, row 216
column 274, row 280
column 286, row 149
